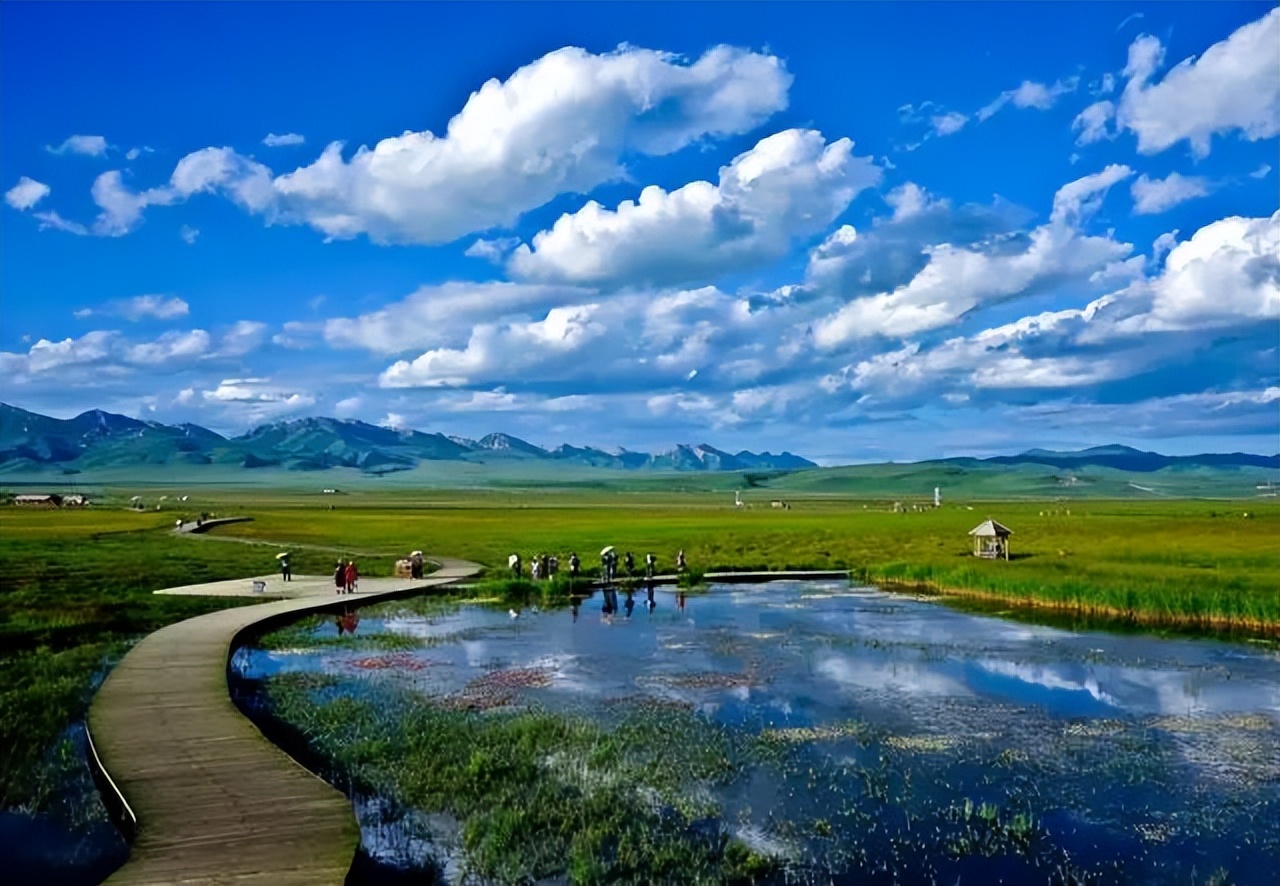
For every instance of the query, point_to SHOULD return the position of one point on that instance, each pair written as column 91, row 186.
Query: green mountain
column 98, row 440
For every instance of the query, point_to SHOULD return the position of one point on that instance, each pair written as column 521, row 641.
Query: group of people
column 345, row 577
column 543, row 566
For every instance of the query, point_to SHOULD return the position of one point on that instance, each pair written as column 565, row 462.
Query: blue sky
column 855, row 231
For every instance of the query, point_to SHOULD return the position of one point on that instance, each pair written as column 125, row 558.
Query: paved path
column 215, row 801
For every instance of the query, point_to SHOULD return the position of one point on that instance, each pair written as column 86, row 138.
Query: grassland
column 76, row 586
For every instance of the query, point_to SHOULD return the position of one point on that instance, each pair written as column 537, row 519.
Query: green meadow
column 76, row 588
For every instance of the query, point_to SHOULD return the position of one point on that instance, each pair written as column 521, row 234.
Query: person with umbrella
column 286, row 574
column 574, row 564
column 513, row 563
column 607, row 563
column 650, row 564
column 415, row 564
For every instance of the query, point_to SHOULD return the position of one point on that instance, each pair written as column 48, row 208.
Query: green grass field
column 76, row 586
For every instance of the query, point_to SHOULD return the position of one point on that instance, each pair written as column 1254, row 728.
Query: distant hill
column 1125, row 458
column 30, row 442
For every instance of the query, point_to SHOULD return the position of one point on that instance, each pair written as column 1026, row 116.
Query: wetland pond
column 784, row 732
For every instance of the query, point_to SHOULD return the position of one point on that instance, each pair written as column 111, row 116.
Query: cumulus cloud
column 169, row 347
column 1233, row 87
column 494, row 250
column 1156, row 195
column 241, row 338
column 189, row 234
column 1093, row 123
column 791, row 184
column 87, row 145
column 1030, row 94
column 280, row 141
column 1227, row 276
column 256, row 399
column 561, row 124
column 141, row 307
column 439, row 315
column 26, row 193
column 956, row 280
column 564, row 123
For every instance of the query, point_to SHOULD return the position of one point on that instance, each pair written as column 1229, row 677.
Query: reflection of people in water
column 680, row 600
column 650, row 601
column 574, row 607
column 347, row 622
column 631, row 602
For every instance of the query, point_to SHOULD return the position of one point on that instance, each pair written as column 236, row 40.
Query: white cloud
column 561, row 124
column 440, row 315
column 53, row 221
column 26, row 193
column 1092, row 123
column 280, row 141
column 949, row 123
column 956, row 280
column 1227, row 273
column 501, row 351
column 88, row 145
column 348, row 407
column 1262, row 171
column 170, row 347
column 140, row 307
column 791, row 184
column 257, row 399
column 189, row 234
column 241, row 338
column 1233, row 87
column 1156, row 195
column 1030, row 94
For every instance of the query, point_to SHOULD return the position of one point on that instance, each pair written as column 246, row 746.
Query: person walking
column 630, row 563
column 681, row 565
column 286, row 574
column 650, row 564
column 574, row 565
column 353, row 576
column 340, row 577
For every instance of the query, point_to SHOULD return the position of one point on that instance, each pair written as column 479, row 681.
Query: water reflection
column 1139, row 759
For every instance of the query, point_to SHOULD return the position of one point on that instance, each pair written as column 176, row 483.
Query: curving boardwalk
column 214, row 800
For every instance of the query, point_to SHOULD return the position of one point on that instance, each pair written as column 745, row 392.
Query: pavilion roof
column 991, row 529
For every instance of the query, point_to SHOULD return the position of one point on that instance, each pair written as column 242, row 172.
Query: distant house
column 43, row 500
column 75, row 500
column 991, row 540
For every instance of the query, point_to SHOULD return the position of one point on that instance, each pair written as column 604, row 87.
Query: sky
column 855, row 231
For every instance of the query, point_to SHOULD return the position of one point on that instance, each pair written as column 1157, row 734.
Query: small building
column 991, row 540
column 75, row 500
column 40, row 501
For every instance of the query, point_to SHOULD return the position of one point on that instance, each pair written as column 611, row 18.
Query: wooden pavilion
column 991, row 540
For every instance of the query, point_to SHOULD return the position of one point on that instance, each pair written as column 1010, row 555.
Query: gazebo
column 991, row 540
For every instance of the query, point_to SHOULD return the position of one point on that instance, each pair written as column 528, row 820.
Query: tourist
column 650, row 564
column 514, row 562
column 544, row 567
column 630, row 563
column 681, row 565
column 353, row 576
column 574, row 565
column 535, row 567
column 415, row 565
column 553, row 566
column 285, row 572
column 340, row 577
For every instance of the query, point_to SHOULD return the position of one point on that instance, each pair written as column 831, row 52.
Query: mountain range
column 97, row 439
column 30, row 442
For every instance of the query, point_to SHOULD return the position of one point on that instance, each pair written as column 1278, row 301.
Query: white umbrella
column 184, row 498
column 136, row 498
column 606, row 550
column 513, row 560
column 415, row 554
column 282, row 555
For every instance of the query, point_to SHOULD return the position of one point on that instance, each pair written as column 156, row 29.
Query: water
column 914, row 743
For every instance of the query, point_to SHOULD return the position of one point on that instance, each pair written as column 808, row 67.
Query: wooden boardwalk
column 214, row 800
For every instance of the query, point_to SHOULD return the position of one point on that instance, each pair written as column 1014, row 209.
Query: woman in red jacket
column 353, row 575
